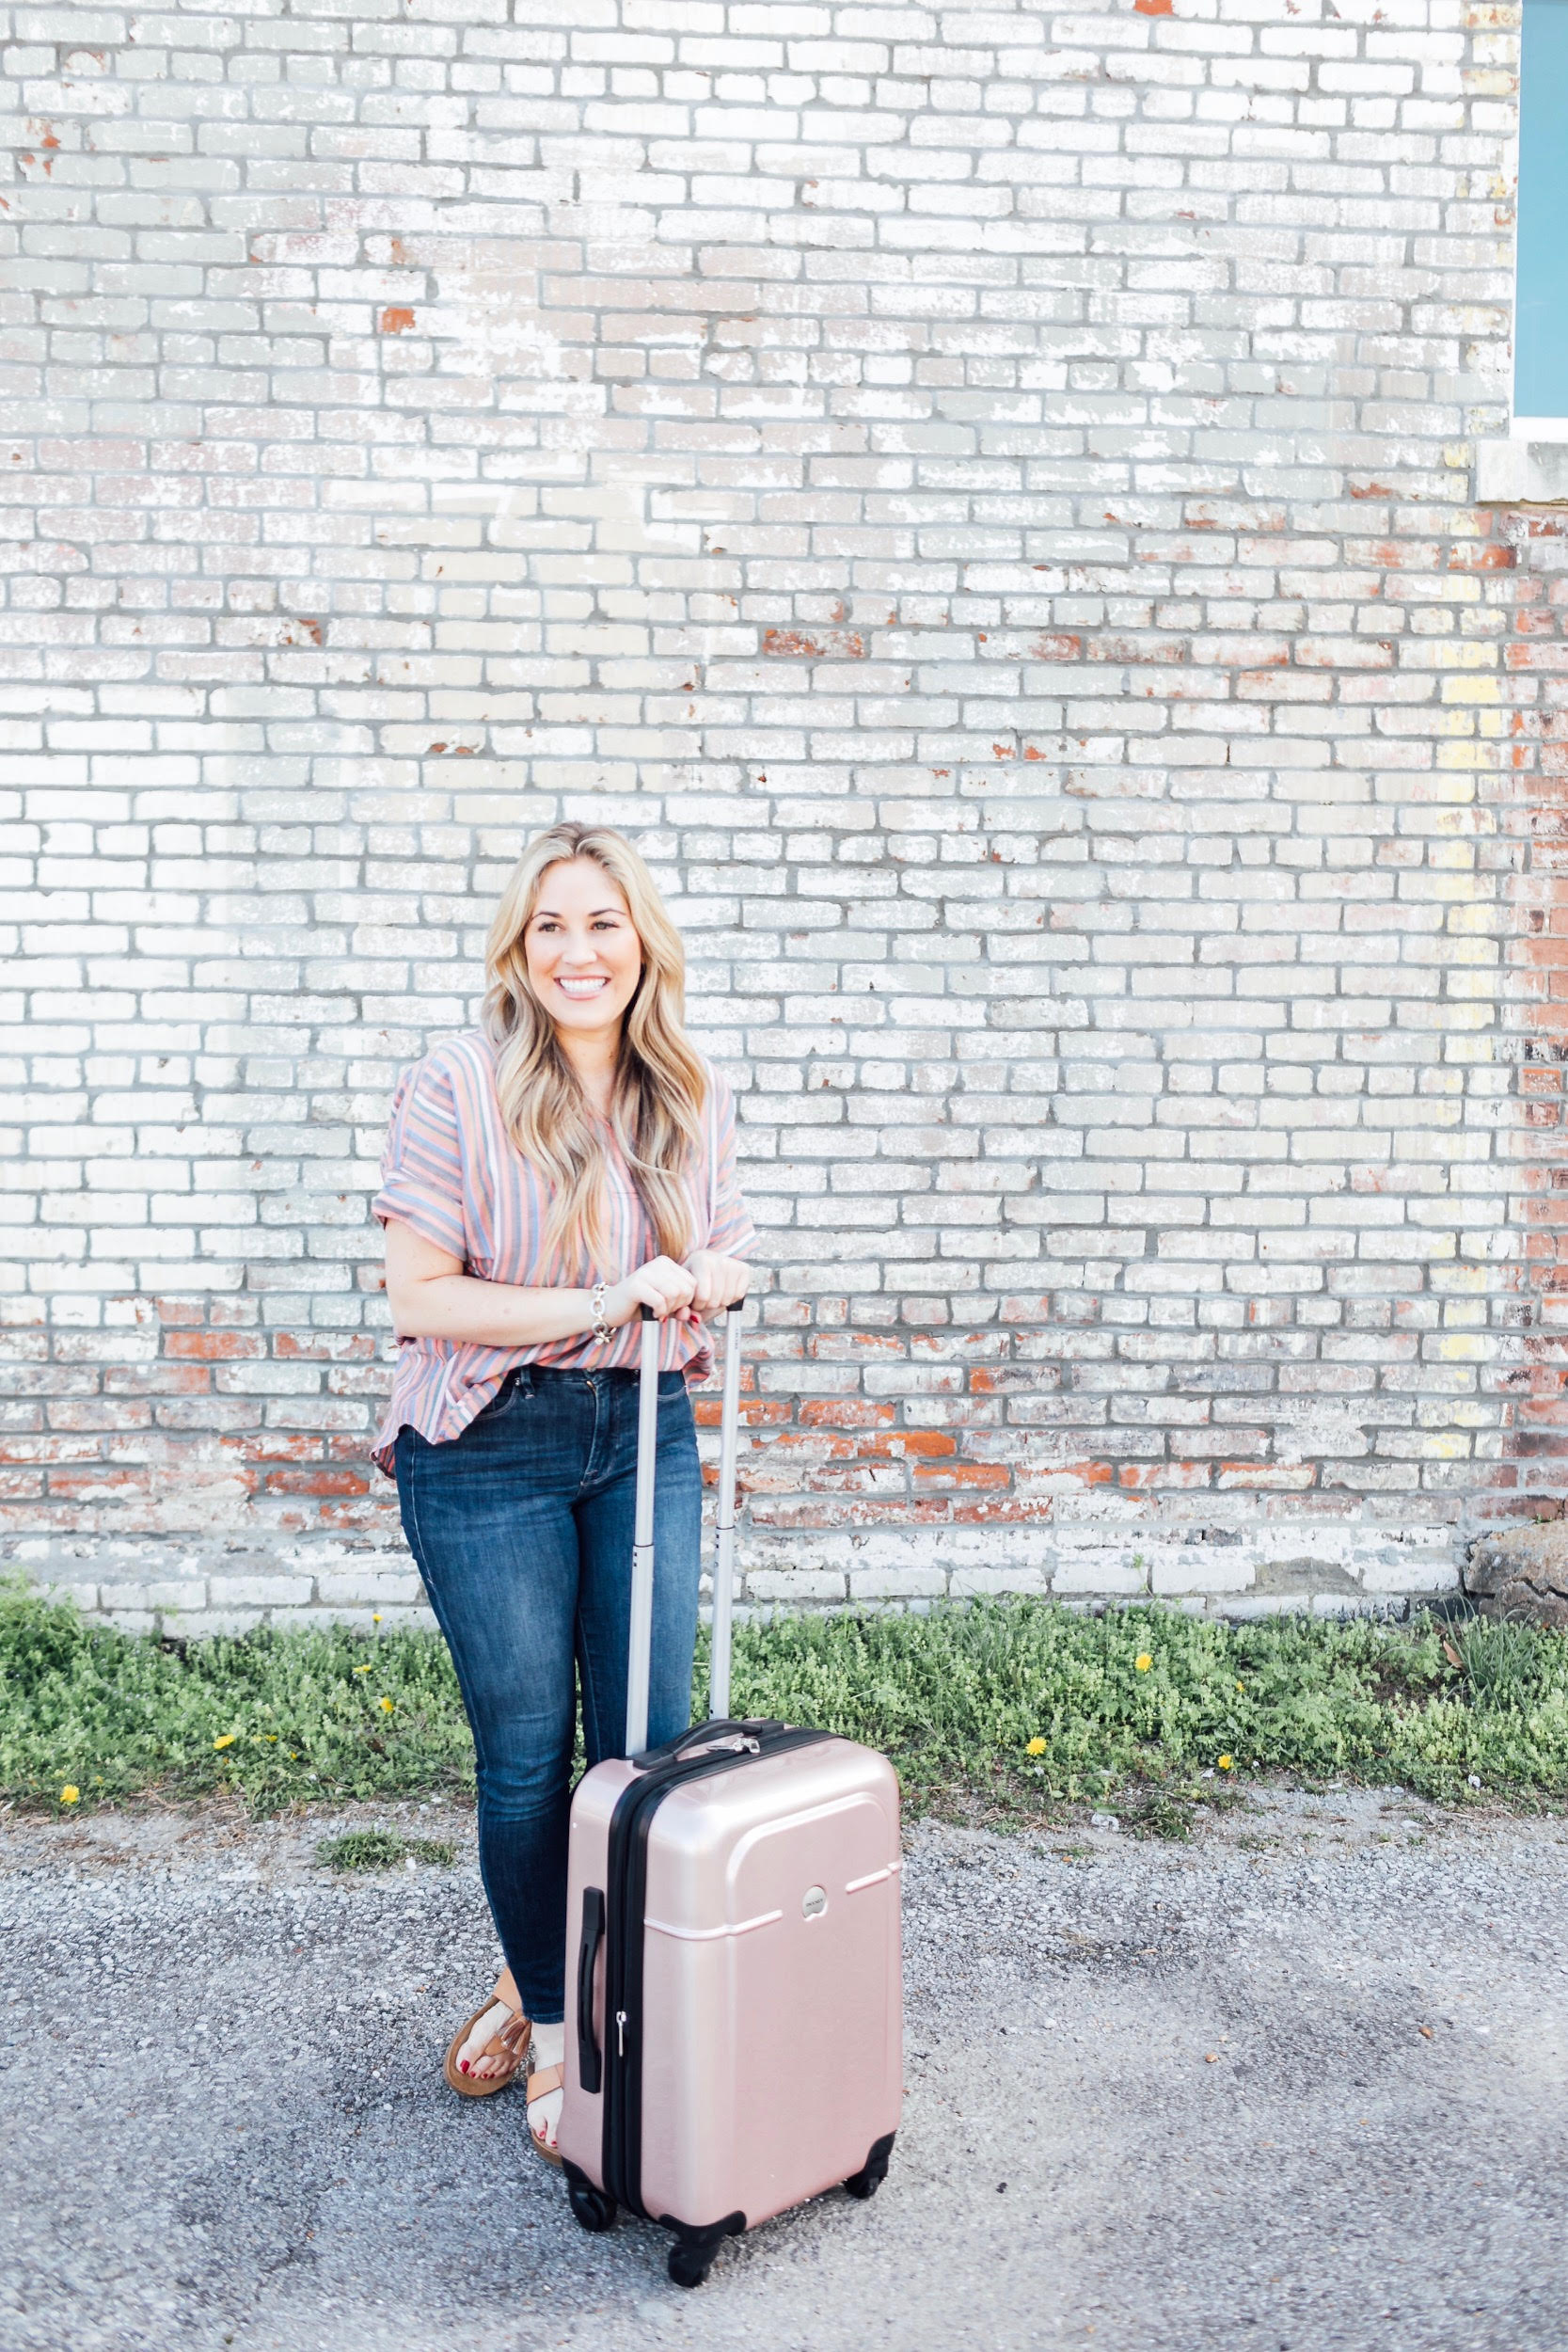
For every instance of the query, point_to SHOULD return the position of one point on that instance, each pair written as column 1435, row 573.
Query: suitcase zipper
column 626, row 1872
column 738, row 1744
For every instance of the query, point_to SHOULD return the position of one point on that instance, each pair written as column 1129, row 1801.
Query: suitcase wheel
column 873, row 2172
column 594, row 2209
column 692, row 2255
column 689, row 2266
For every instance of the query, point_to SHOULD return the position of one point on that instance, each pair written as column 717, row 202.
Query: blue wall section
column 1541, row 345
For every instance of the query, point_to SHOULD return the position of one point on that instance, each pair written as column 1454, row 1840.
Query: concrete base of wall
column 172, row 1586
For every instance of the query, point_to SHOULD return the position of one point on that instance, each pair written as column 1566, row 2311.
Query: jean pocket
column 516, row 1389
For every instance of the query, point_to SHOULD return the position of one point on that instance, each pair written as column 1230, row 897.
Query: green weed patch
column 273, row 1718
column 1002, row 1698
column 381, row 1850
column 1015, row 1704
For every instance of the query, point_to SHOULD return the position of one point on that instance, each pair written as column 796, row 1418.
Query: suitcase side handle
column 590, row 2065
column 723, row 1570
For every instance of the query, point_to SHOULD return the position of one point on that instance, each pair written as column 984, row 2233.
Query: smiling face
column 584, row 957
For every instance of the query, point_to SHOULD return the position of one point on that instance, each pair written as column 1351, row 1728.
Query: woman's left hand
column 719, row 1281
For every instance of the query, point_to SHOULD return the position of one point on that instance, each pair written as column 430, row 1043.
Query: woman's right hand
column 660, row 1284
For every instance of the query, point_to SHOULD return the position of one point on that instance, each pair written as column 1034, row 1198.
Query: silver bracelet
column 601, row 1328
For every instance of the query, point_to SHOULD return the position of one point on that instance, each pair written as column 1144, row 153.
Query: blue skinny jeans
column 522, row 1529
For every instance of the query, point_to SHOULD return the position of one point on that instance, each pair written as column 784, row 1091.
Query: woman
column 545, row 1177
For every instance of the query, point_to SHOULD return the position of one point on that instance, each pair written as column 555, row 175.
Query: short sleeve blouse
column 451, row 1172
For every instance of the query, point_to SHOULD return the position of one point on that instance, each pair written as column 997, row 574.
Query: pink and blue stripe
column 451, row 1172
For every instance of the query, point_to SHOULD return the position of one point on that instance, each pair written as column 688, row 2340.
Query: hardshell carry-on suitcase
column 734, row 1989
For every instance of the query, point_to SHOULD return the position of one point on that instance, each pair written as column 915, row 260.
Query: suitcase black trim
column 626, row 1871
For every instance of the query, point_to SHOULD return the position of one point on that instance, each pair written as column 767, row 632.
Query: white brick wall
column 982, row 494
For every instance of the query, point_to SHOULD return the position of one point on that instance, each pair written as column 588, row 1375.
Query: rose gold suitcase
column 734, row 1996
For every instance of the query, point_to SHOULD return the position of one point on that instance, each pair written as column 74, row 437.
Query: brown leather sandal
column 540, row 2087
column 510, row 2043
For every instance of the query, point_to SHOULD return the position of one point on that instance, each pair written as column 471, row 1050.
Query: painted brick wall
column 983, row 494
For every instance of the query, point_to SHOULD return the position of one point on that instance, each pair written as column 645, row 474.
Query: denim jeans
column 522, row 1529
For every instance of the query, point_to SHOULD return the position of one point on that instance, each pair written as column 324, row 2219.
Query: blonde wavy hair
column 659, row 1087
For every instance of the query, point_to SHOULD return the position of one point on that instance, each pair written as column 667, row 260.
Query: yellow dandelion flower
column 362, row 1670
column 1227, row 1763
column 376, row 1617
column 1241, row 1685
column 386, row 1707
column 226, row 1741
column 1142, row 1662
column 1036, row 1746
column 70, row 1794
column 273, row 1737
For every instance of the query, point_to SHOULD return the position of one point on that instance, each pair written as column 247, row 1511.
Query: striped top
column 453, row 1173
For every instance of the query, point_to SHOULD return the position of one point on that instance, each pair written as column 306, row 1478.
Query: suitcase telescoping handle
column 723, row 1568
column 640, row 1645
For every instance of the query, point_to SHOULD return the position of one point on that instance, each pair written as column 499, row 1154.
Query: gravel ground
column 1297, row 2085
